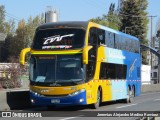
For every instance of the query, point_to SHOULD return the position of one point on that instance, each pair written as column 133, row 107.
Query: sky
column 71, row 10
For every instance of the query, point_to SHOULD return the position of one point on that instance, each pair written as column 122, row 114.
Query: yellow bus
column 81, row 63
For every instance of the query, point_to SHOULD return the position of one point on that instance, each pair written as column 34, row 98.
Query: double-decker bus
column 81, row 63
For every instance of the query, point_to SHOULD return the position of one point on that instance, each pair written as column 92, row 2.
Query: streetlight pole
column 130, row 27
column 151, row 41
column 126, row 29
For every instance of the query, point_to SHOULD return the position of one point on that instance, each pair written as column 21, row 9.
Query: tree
column 9, row 27
column 2, row 18
column 110, row 20
column 24, row 34
column 31, row 27
column 112, row 17
column 17, row 39
column 42, row 19
column 158, row 32
column 158, row 29
column 100, row 21
column 134, row 21
column 18, row 42
column 6, row 47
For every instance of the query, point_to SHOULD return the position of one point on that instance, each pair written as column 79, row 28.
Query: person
column 78, row 73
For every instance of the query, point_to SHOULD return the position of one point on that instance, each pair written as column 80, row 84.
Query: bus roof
column 118, row 32
column 83, row 24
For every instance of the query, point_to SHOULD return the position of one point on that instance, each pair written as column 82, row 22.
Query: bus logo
column 57, row 38
column 131, row 69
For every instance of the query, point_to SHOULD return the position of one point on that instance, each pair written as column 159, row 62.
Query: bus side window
column 117, row 41
column 110, row 39
column 103, row 71
column 112, row 71
column 92, row 36
column 137, row 47
column 101, row 37
column 90, row 67
column 96, row 36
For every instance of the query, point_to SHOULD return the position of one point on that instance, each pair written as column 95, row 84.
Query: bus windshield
column 57, row 39
column 57, row 69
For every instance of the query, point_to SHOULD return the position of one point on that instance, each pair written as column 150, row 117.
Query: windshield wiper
column 55, row 84
column 76, row 81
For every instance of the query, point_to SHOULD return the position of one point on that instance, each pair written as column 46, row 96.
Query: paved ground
column 145, row 102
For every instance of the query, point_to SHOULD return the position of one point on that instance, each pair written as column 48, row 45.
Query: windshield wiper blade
column 75, row 81
column 55, row 84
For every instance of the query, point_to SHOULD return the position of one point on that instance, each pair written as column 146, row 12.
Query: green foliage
column 9, row 27
column 2, row 18
column 31, row 26
column 6, row 46
column 100, row 21
column 110, row 20
column 6, row 27
column 158, row 29
column 17, row 39
column 158, row 33
column 134, row 21
column 24, row 34
column 112, row 17
column 18, row 42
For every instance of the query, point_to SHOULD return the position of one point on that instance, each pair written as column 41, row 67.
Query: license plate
column 55, row 101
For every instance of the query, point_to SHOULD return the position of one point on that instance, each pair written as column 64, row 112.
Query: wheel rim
column 129, row 96
column 133, row 92
column 98, row 98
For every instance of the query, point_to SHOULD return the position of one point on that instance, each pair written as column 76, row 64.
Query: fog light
column 81, row 100
column 32, row 101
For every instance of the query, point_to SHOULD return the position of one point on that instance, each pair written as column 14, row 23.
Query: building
column 51, row 15
column 154, row 70
column 146, row 74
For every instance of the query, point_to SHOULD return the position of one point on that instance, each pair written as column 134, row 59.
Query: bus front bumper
column 77, row 98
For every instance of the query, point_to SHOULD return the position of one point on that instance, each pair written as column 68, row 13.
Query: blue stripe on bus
column 66, row 100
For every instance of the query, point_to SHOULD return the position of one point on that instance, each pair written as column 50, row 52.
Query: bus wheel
column 97, row 104
column 133, row 92
column 129, row 98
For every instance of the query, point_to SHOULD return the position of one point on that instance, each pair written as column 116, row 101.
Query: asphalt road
column 145, row 102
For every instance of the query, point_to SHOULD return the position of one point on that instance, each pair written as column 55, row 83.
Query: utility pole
column 151, row 41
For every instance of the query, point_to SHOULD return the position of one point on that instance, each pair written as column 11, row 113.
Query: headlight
column 35, row 93
column 77, row 92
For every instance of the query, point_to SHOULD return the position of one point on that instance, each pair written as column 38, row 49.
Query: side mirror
column 23, row 55
column 85, row 54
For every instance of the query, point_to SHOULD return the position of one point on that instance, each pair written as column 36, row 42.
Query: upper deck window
column 55, row 39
